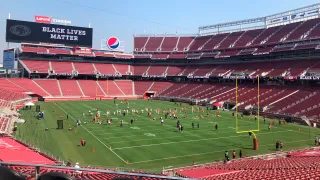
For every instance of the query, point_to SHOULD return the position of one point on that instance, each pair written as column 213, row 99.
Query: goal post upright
column 236, row 104
column 258, row 111
column 97, row 86
column 255, row 139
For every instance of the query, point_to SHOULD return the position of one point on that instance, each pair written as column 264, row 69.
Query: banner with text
column 8, row 59
column 23, row 31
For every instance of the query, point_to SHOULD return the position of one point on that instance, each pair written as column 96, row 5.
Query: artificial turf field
column 146, row 144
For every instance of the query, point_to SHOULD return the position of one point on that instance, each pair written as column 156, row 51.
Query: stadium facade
column 281, row 49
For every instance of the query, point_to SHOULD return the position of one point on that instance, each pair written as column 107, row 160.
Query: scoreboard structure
column 32, row 32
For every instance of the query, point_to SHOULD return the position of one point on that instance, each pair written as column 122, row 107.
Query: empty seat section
column 160, row 86
column 169, row 43
column 171, row 89
column 265, row 34
column 34, row 49
column 231, row 39
column 40, row 66
column 131, row 69
column 174, row 70
column 288, row 101
column 125, row 86
column 10, row 95
column 285, row 30
column 157, row 70
column 280, row 68
column 7, row 84
column 304, row 28
column 105, row 68
column 110, row 88
column 91, row 88
column 139, row 43
column 247, row 37
column 277, row 93
column 221, row 70
column 199, row 42
column 122, row 68
column 70, row 88
column 190, row 69
column 153, row 44
column 62, row 67
column 204, row 70
column 315, row 66
column 214, row 41
column 29, row 85
column 315, row 33
column 305, row 104
column 184, row 42
column 4, row 121
column 84, row 68
column 51, row 86
column 139, row 70
column 142, row 86
column 300, row 66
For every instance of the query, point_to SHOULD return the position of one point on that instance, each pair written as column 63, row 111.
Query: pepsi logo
column 113, row 43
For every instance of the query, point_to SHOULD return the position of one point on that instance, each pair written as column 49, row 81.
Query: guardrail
column 37, row 168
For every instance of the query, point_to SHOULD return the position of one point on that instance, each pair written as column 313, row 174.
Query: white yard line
column 93, row 135
column 209, row 133
column 142, row 139
column 177, row 142
column 175, row 157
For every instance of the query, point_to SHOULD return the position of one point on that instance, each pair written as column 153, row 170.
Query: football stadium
column 235, row 100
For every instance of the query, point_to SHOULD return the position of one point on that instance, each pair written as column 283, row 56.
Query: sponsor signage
column 8, row 59
column 109, row 75
column 80, row 50
column 198, row 77
column 234, row 77
column 310, row 77
column 154, row 76
column 290, row 77
column 50, row 20
column 23, row 31
column 293, row 16
column 113, row 43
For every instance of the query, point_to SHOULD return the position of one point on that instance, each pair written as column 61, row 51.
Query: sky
column 123, row 18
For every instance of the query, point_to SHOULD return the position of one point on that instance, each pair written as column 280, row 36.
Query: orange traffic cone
column 92, row 150
column 75, row 131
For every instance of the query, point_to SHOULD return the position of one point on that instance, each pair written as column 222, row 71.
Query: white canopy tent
column 29, row 104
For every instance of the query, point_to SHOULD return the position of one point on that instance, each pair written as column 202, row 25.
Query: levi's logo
column 43, row 19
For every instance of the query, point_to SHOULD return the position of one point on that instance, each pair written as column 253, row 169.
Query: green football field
column 147, row 144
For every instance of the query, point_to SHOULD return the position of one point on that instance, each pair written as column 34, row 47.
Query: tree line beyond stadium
column 23, row 31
